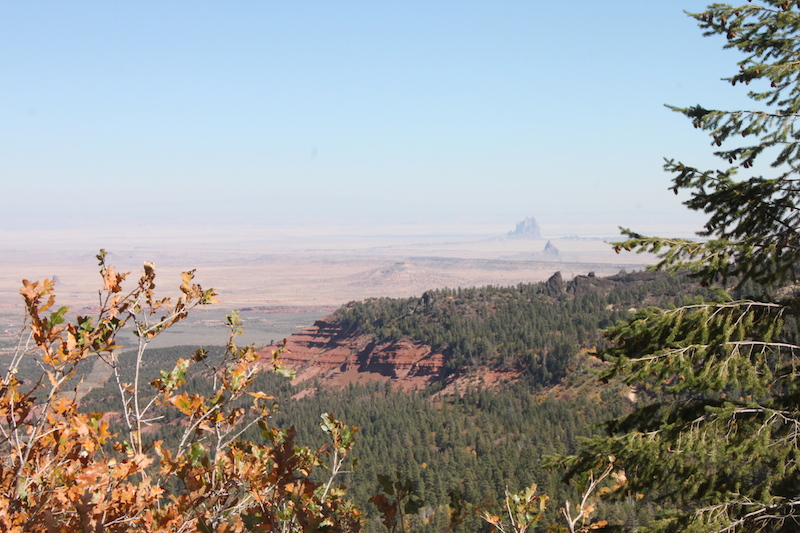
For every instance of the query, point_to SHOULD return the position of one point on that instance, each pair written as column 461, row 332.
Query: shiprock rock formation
column 527, row 229
column 550, row 251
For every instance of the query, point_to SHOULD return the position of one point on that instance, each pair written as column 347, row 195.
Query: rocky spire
column 527, row 229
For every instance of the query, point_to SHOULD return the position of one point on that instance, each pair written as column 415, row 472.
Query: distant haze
column 284, row 275
column 303, row 154
column 134, row 122
column 291, row 232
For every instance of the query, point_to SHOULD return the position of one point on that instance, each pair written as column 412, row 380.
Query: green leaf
column 57, row 317
column 386, row 484
column 196, row 451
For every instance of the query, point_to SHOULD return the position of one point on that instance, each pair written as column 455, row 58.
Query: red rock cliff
column 328, row 353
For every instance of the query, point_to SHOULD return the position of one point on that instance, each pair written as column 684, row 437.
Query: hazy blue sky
column 399, row 110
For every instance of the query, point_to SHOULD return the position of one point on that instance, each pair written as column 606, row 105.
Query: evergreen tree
column 717, row 426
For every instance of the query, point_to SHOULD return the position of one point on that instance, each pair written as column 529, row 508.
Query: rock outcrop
column 335, row 357
column 555, row 285
column 329, row 354
column 527, row 229
column 591, row 283
column 550, row 251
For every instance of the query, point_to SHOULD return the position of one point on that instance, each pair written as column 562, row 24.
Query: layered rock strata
column 329, row 354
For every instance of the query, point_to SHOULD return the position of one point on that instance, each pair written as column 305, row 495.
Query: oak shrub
column 63, row 469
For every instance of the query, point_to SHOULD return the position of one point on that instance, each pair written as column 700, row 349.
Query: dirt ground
column 284, row 286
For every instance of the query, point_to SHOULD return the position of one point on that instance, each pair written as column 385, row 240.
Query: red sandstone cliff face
column 334, row 357
column 329, row 354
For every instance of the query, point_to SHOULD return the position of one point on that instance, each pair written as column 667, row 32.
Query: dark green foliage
column 520, row 327
column 752, row 223
column 476, row 446
column 717, row 434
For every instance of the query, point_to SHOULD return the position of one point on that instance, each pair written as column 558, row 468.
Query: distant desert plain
column 282, row 285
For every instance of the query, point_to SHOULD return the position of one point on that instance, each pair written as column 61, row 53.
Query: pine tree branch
column 766, row 514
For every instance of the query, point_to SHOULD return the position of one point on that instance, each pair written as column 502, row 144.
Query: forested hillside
column 535, row 328
column 473, row 446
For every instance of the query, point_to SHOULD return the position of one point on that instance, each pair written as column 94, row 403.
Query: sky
column 383, row 113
